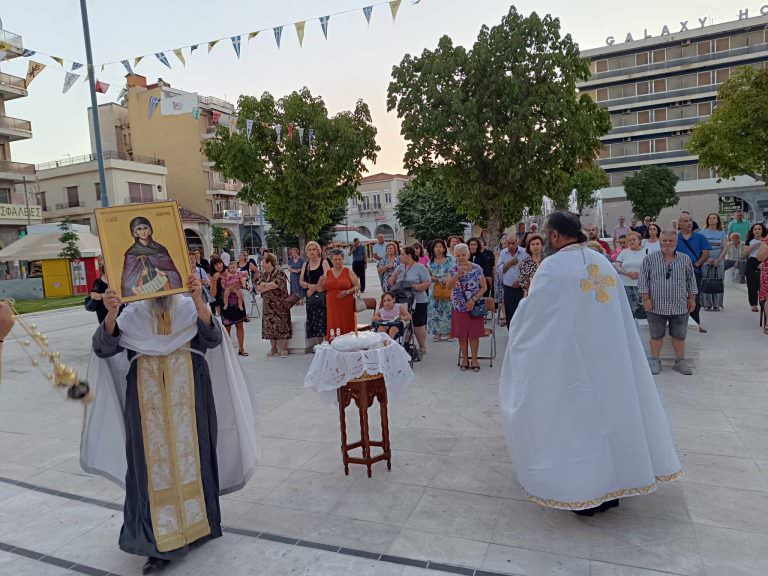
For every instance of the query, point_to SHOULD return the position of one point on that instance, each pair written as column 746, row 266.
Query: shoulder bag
column 440, row 292
column 360, row 305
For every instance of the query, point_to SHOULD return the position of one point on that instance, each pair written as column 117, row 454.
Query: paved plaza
column 450, row 504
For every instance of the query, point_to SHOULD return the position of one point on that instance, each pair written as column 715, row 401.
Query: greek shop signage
column 18, row 212
column 685, row 26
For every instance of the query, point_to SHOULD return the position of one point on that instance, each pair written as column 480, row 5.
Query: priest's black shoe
column 155, row 565
column 586, row 512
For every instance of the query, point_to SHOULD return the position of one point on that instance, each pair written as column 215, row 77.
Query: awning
column 48, row 247
column 348, row 236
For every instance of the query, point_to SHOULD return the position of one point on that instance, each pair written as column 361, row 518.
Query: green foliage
column 735, row 138
column 70, row 239
column 278, row 238
column 651, row 190
column 219, row 237
column 586, row 181
column 300, row 185
column 427, row 212
column 503, row 122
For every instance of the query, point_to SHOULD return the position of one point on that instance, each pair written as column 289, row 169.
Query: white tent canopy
column 48, row 247
column 348, row 236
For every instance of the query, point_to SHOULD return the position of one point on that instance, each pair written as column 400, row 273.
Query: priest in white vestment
column 583, row 419
column 172, row 422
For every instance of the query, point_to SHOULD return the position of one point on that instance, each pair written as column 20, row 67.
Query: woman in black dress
column 313, row 269
column 97, row 291
column 484, row 259
column 233, row 314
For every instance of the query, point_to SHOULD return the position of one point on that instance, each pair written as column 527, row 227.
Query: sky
column 355, row 62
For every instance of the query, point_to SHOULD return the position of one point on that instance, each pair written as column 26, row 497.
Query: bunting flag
column 101, row 87
column 311, row 136
column 215, row 117
column 76, row 65
column 236, row 45
column 59, row 60
column 127, row 66
column 180, row 56
column 195, row 113
column 368, row 10
column 253, row 35
column 69, row 80
column 301, row 135
column 394, row 6
column 4, row 47
column 290, row 133
column 87, row 76
column 278, row 131
column 300, row 31
column 211, row 45
column 248, row 128
column 278, row 34
column 161, row 56
column 137, row 60
column 123, row 94
column 28, row 53
column 324, row 25
column 153, row 102
column 33, row 69
column 193, row 48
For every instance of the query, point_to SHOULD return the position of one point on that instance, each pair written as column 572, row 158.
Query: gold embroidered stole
column 166, row 389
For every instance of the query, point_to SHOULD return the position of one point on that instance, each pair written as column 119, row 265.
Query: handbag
column 440, row 292
column 290, row 301
column 479, row 310
column 360, row 305
column 91, row 305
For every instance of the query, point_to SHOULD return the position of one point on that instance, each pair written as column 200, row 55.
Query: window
column 739, row 41
column 722, row 44
column 722, row 75
column 705, row 108
column 376, row 201
column 644, row 146
column 644, row 117
column 641, row 59
column 705, row 78
column 602, row 94
column 674, row 52
column 97, row 187
column 660, row 115
column 659, row 55
column 602, row 66
column 660, row 145
column 73, row 197
column 643, row 88
column 660, row 85
column 605, row 151
column 3, row 151
column 703, row 48
column 388, row 197
column 689, row 50
column 5, row 195
column 366, row 202
column 756, row 38
column 138, row 193
column 42, row 201
column 704, row 173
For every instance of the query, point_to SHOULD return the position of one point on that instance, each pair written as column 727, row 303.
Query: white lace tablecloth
column 332, row 369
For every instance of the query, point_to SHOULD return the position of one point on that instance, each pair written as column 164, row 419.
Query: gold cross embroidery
column 598, row 283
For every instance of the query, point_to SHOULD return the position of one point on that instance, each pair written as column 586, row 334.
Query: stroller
column 403, row 293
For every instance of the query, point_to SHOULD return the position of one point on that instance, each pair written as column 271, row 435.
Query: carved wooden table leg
column 362, row 399
column 343, row 398
column 382, row 398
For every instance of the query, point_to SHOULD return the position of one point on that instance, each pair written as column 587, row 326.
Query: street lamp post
column 94, row 106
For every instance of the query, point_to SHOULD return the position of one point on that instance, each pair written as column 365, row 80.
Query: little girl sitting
column 390, row 316
column 232, row 282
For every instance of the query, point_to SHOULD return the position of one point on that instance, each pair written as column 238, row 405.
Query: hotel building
column 373, row 211
column 657, row 89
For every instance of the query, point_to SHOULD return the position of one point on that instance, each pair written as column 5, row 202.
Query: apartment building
column 373, row 212
column 17, row 208
column 657, row 89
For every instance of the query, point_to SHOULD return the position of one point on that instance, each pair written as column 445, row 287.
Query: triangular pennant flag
column 368, row 10
column 87, row 76
column 101, row 87
column 161, row 56
column 33, row 69
column 122, row 94
column 180, row 56
column 102, row 67
column 59, row 60
column 253, row 35
column 394, row 6
column 236, row 45
column 4, row 49
column 301, row 135
column 324, row 24
column 137, row 60
column 290, row 132
column 211, row 44
column 193, row 48
column 278, row 34
column 127, row 66
column 69, row 81
column 76, row 65
column 248, row 128
column 153, row 102
column 311, row 136
column 195, row 113
column 278, row 131
column 300, row 31
column 28, row 53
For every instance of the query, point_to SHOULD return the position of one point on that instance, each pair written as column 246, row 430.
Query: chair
column 489, row 332
column 254, row 311
column 370, row 304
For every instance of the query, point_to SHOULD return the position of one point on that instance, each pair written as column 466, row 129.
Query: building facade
column 373, row 212
column 17, row 208
column 657, row 89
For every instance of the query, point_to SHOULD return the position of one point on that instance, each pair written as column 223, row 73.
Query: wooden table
column 363, row 391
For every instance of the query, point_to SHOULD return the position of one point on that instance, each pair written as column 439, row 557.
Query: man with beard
column 162, row 381
column 148, row 266
column 593, row 235
column 583, row 419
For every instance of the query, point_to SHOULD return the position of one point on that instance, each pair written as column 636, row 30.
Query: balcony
column 13, row 42
column 70, row 209
column 368, row 210
column 16, row 171
column 12, row 87
column 108, row 155
column 228, row 217
column 223, row 188
column 66, row 205
column 15, row 129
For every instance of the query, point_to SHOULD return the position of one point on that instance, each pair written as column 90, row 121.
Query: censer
column 61, row 376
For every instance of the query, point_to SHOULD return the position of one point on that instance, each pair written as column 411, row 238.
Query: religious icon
column 143, row 245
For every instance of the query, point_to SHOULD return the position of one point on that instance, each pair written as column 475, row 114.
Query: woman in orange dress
column 340, row 284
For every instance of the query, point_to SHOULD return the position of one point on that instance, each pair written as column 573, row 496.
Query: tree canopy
column 427, row 212
column 735, row 138
column 300, row 184
column 651, row 190
column 277, row 237
column 585, row 181
column 502, row 122
column 71, row 241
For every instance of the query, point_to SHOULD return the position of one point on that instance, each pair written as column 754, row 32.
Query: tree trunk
column 495, row 229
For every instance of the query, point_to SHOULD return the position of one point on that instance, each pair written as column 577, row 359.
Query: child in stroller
column 390, row 316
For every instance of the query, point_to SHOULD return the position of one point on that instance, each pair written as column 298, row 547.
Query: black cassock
column 138, row 535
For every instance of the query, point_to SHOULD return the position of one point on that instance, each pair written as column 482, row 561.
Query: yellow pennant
column 137, row 60
column 253, row 35
column 33, row 69
column 211, row 44
column 180, row 56
column 394, row 6
column 59, row 60
column 300, row 31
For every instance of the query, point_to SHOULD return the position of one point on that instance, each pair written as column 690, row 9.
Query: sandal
column 436, row 339
column 464, row 367
column 242, row 353
column 475, row 368
column 272, row 353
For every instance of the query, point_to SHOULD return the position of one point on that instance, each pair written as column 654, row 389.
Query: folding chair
column 488, row 331
column 254, row 311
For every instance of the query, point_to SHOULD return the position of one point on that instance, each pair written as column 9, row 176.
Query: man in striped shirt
column 667, row 286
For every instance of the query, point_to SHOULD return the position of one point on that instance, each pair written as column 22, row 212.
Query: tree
column 277, row 237
column 70, row 239
column 427, row 212
column 651, row 190
column 219, row 237
column 585, row 181
column 301, row 184
column 735, row 138
column 502, row 122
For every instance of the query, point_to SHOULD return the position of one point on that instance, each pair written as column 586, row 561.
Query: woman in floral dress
column 388, row 264
column 439, row 312
column 275, row 319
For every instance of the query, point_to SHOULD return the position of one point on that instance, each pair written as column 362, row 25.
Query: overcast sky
column 355, row 62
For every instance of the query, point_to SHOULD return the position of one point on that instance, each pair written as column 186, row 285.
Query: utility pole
column 94, row 106
column 26, row 199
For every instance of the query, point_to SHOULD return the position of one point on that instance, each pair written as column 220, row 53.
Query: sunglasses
column 669, row 271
